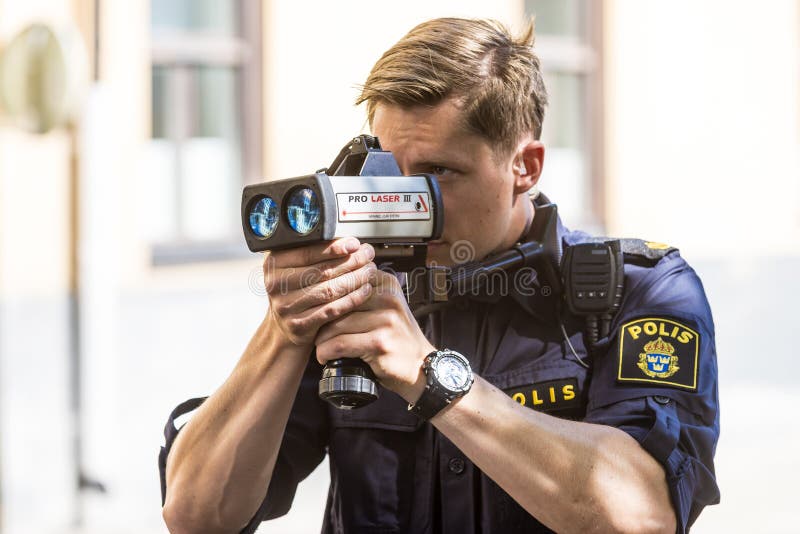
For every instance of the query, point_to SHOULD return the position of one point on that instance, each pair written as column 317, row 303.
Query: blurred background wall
column 675, row 121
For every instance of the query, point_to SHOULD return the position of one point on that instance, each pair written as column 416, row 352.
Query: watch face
column 452, row 372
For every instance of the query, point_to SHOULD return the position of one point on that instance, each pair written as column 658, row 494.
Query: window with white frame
column 568, row 40
column 206, row 124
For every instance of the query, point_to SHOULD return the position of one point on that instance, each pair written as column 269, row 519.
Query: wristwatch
column 448, row 377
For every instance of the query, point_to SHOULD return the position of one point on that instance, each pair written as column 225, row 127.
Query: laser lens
column 302, row 210
column 264, row 217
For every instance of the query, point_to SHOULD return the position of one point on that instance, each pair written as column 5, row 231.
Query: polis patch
column 560, row 397
column 656, row 350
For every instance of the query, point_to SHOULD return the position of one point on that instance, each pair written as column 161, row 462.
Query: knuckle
column 348, row 302
column 380, row 342
column 337, row 247
column 296, row 327
column 332, row 311
column 281, row 307
column 327, row 272
column 362, row 256
column 338, row 347
column 328, row 292
column 391, row 320
column 328, row 313
column 346, row 305
column 369, row 271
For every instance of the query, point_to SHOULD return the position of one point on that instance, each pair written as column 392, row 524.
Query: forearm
column 572, row 476
column 221, row 463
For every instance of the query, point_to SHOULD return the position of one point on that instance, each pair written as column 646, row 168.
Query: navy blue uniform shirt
column 654, row 377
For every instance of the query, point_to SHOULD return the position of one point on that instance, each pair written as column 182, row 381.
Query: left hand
column 384, row 334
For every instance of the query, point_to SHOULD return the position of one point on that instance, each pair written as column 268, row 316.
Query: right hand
column 311, row 286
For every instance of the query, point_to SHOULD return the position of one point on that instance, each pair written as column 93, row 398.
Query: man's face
column 482, row 212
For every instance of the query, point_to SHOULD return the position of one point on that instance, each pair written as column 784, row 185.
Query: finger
column 312, row 319
column 345, row 346
column 387, row 284
column 308, row 297
column 291, row 278
column 311, row 254
column 357, row 322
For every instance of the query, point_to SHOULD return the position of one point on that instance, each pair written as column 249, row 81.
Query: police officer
column 496, row 414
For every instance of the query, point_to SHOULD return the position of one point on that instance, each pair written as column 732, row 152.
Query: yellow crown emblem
column 658, row 359
column 659, row 346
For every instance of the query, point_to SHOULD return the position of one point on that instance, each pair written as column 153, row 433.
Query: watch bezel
column 434, row 361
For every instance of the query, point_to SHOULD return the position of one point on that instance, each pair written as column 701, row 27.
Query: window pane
column 160, row 102
column 563, row 18
column 564, row 119
column 214, row 16
column 194, row 172
column 565, row 176
column 212, row 156
column 157, row 186
column 157, row 192
column 217, row 114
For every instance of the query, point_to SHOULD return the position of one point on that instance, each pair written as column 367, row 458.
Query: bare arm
column 571, row 476
column 220, row 465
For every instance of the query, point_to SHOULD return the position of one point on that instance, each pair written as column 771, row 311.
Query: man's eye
column 438, row 170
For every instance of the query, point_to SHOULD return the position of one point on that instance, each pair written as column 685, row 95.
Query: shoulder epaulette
column 647, row 252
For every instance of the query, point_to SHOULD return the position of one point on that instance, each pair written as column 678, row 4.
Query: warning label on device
column 383, row 206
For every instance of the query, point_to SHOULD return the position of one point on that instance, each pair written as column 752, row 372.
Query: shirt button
column 456, row 465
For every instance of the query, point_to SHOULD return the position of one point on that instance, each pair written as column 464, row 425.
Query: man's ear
column 527, row 165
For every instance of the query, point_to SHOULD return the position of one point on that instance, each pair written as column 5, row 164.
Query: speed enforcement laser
column 363, row 194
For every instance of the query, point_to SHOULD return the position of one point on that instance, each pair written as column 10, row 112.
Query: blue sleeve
column 655, row 377
column 303, row 447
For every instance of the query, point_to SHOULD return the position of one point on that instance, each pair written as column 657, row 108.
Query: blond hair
column 495, row 77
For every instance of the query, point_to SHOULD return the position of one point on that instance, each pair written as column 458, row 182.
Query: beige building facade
column 675, row 121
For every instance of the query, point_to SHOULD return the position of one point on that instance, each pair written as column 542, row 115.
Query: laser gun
column 363, row 194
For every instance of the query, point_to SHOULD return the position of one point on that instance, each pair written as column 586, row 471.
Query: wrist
column 413, row 389
column 273, row 331
column 271, row 339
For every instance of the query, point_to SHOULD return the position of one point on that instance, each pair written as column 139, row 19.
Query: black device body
column 594, row 281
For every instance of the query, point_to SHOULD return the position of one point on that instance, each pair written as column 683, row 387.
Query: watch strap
column 431, row 402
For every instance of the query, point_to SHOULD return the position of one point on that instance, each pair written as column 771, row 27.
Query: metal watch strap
column 431, row 402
